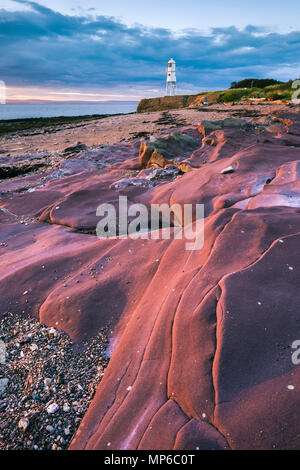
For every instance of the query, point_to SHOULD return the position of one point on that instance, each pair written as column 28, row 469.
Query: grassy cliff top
column 279, row 91
column 165, row 102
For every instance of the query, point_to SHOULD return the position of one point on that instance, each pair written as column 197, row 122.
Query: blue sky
column 119, row 50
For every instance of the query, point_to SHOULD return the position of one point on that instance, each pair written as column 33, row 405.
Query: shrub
column 255, row 83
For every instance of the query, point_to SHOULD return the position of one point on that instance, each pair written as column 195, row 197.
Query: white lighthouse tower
column 171, row 78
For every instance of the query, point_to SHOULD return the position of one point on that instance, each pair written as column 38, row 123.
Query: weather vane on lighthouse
column 171, row 78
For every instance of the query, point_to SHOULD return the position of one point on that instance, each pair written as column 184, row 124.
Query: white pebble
column 23, row 424
column 52, row 332
column 229, row 169
column 47, row 382
column 51, row 409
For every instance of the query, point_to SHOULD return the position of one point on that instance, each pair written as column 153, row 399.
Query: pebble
column 66, row 408
column 47, row 382
column 52, row 332
column 53, row 408
column 44, row 374
column 25, row 339
column 227, row 170
column 23, row 424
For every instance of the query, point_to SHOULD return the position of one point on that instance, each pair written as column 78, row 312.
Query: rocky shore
column 48, row 385
column 111, row 129
column 199, row 342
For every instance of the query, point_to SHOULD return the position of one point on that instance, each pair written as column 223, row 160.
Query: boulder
column 207, row 127
column 75, row 148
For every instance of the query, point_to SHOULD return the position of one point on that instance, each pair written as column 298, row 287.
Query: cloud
column 42, row 47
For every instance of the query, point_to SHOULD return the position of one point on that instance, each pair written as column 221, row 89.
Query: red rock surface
column 201, row 340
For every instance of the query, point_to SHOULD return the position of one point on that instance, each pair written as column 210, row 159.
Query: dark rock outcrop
column 171, row 149
column 16, row 166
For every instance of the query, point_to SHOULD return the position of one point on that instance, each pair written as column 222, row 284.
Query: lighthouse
column 171, row 78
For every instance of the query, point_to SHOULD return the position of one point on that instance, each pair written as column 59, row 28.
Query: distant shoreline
column 9, row 111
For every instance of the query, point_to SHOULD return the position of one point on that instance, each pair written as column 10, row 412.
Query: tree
column 255, row 83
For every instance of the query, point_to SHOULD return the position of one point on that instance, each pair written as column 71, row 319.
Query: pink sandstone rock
column 201, row 342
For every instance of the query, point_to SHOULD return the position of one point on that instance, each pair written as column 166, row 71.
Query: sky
column 117, row 50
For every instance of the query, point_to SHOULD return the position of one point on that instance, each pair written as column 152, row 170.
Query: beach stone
column 206, row 127
column 23, row 424
column 25, row 339
column 47, row 382
column 75, row 148
column 53, row 408
column 125, row 182
column 168, row 150
column 157, row 173
column 227, row 170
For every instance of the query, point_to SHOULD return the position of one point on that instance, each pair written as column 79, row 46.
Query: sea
column 22, row 111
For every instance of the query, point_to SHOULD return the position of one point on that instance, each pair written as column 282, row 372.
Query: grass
column 280, row 91
column 165, row 103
